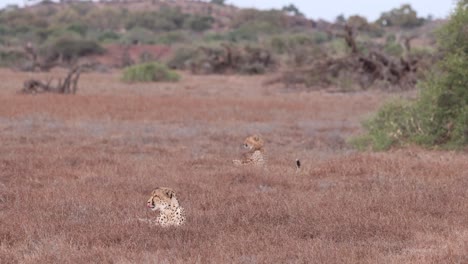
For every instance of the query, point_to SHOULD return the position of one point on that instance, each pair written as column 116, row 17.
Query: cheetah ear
column 169, row 193
column 174, row 202
column 256, row 138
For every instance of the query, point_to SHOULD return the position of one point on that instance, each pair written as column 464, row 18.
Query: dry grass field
column 76, row 171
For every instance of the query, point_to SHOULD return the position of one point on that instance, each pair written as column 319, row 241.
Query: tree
column 292, row 9
column 405, row 17
column 358, row 22
column 218, row 2
column 340, row 19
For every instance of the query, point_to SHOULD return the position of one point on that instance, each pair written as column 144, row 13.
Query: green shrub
column 172, row 37
column 104, row 18
column 250, row 24
column 167, row 19
column 12, row 57
column 139, row 35
column 150, row 72
column 199, row 23
column 439, row 117
column 82, row 8
column 319, row 37
column 392, row 47
column 69, row 49
column 278, row 44
column 78, row 28
column 290, row 42
column 218, row 2
column 214, row 37
column 393, row 123
column 405, row 17
column 183, row 56
column 108, row 36
column 274, row 18
column 293, row 10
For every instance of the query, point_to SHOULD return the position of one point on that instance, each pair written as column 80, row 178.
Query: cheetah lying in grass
column 165, row 200
column 255, row 152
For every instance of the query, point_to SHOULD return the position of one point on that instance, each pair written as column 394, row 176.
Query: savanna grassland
column 76, row 171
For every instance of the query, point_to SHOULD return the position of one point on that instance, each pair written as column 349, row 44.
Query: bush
column 392, row 47
column 394, row 123
column 183, row 57
column 108, row 37
column 139, row 35
column 405, row 17
column 218, row 2
column 214, row 37
column 289, row 43
column 172, row 37
column 70, row 48
column 249, row 24
column 78, row 28
column 199, row 23
column 10, row 58
column 150, row 72
column 167, row 19
column 439, row 117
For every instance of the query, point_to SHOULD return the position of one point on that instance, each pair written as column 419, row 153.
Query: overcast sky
column 330, row 9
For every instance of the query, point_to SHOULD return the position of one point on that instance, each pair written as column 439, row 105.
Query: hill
column 214, row 38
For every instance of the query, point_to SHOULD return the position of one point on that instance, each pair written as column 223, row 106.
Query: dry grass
column 76, row 171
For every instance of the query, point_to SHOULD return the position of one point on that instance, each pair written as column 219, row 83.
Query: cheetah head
column 253, row 143
column 162, row 199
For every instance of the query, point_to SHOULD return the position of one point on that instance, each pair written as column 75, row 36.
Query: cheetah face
column 162, row 199
column 253, row 143
column 154, row 203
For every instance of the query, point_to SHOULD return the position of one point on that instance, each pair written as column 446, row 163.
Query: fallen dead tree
column 361, row 68
column 68, row 86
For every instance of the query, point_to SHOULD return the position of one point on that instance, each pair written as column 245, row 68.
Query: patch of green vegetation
column 10, row 58
column 439, row 117
column 70, row 48
column 150, row 72
column 183, row 56
column 392, row 47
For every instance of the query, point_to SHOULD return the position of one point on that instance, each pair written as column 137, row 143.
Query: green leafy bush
column 392, row 47
column 108, row 36
column 139, row 35
column 172, row 37
column 394, row 123
column 78, row 28
column 249, row 24
column 183, row 56
column 290, row 42
column 199, row 23
column 218, row 2
column 11, row 57
column 150, row 72
column 69, row 49
column 439, row 117
column 167, row 19
column 405, row 17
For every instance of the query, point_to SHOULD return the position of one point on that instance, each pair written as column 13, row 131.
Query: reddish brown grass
column 76, row 171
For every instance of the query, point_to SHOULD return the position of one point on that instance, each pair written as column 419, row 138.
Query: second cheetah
column 255, row 154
